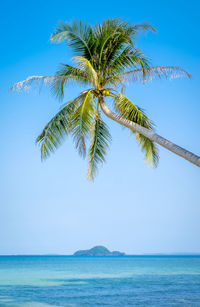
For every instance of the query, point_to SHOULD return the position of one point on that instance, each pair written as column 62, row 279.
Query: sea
column 145, row 281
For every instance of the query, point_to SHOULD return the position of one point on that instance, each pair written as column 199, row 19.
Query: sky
column 51, row 207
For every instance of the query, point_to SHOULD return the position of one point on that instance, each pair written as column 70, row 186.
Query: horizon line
column 144, row 254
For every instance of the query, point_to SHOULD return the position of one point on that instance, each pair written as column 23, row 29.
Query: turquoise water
column 51, row 281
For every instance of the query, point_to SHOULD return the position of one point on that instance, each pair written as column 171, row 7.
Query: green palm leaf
column 68, row 73
column 129, row 57
column 112, row 38
column 150, row 149
column 144, row 26
column 100, row 139
column 89, row 71
column 78, row 35
column 116, row 37
column 81, row 122
column 61, row 32
column 127, row 109
column 130, row 111
column 57, row 128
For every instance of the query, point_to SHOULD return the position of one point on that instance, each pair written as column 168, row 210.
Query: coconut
column 106, row 92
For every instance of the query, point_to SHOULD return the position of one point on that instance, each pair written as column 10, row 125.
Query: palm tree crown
column 105, row 58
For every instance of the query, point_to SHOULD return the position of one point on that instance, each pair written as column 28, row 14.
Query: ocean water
column 51, row 281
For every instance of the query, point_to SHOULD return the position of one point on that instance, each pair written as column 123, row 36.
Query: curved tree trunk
column 150, row 134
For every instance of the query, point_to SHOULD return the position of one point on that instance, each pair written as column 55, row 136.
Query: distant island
column 98, row 251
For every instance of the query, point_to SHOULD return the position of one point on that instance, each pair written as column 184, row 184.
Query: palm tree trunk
column 150, row 134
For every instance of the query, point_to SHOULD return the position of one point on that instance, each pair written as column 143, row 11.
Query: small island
column 98, row 251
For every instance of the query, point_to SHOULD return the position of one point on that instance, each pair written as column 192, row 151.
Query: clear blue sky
column 51, row 207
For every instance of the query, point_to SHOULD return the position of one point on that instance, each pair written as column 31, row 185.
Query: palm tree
column 105, row 58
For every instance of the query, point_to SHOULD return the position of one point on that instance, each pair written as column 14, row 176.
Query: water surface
column 51, row 281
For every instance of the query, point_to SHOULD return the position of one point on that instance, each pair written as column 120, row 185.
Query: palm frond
column 36, row 80
column 110, row 37
column 57, row 128
column 116, row 82
column 144, row 26
column 78, row 35
column 86, row 66
column 81, row 123
column 121, row 61
column 63, row 75
column 61, row 32
column 116, row 43
column 130, row 111
column 150, row 149
column 128, row 58
column 100, row 139
column 149, row 73
column 127, row 109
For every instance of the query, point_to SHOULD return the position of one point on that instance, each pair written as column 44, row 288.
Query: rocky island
column 98, row 251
